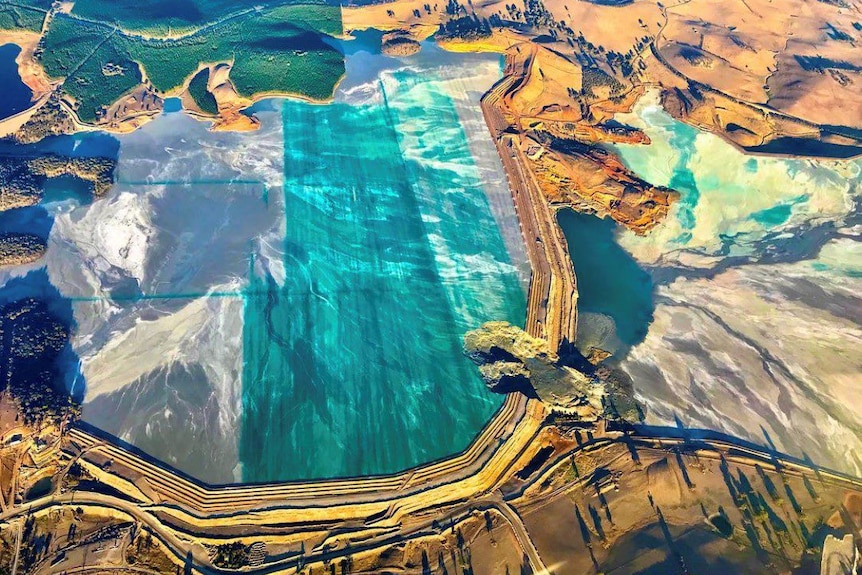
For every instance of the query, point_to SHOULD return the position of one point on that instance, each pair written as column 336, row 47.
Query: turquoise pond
column 354, row 365
column 291, row 303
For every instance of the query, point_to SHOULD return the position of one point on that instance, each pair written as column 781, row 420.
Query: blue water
column 16, row 95
column 82, row 145
column 355, row 365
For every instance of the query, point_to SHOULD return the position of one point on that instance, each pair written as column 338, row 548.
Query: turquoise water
column 354, row 364
column 731, row 204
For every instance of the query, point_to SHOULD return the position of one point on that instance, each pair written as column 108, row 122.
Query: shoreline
column 500, row 42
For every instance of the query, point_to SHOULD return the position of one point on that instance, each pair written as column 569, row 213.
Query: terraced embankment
column 376, row 510
column 507, row 435
column 551, row 314
column 552, row 302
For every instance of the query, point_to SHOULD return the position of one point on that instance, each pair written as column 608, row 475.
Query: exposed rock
column 559, row 142
column 754, row 128
column 839, row 555
column 591, row 179
column 19, row 249
column 597, row 355
column 229, row 103
column 395, row 44
column 598, row 133
column 512, row 360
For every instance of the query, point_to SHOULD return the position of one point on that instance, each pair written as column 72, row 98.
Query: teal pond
column 291, row 303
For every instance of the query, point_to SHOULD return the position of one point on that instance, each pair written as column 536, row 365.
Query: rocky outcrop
column 19, row 249
column 399, row 44
column 510, row 359
column 561, row 147
column 757, row 129
column 596, row 133
column 590, row 179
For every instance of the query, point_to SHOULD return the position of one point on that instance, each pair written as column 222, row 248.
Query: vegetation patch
column 32, row 341
column 276, row 50
column 15, row 17
column 202, row 97
column 230, row 555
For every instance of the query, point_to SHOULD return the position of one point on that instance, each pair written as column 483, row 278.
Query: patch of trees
column 819, row 64
column 465, row 28
column 34, row 545
column 32, row 340
column 199, row 93
column 230, row 555
column 51, row 119
column 595, row 78
column 837, row 34
column 537, row 15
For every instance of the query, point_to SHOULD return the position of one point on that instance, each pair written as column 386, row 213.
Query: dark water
column 67, row 188
column 610, row 282
column 31, row 220
column 806, row 147
column 16, row 95
column 83, row 145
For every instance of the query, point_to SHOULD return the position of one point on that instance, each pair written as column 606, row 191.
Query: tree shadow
column 586, row 537
column 597, row 522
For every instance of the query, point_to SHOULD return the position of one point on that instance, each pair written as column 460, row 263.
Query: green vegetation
column 101, row 80
column 230, row 555
column 97, row 71
column 321, row 18
column 51, row 119
column 595, row 77
column 14, row 16
column 24, row 178
column 277, row 50
column 32, row 340
column 199, row 93
column 67, row 44
column 165, row 17
column 465, row 28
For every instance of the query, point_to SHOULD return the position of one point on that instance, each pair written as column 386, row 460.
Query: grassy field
column 199, row 93
column 161, row 17
column 21, row 17
column 273, row 50
column 170, row 17
column 102, row 80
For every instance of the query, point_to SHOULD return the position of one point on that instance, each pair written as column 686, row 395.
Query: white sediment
column 770, row 345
